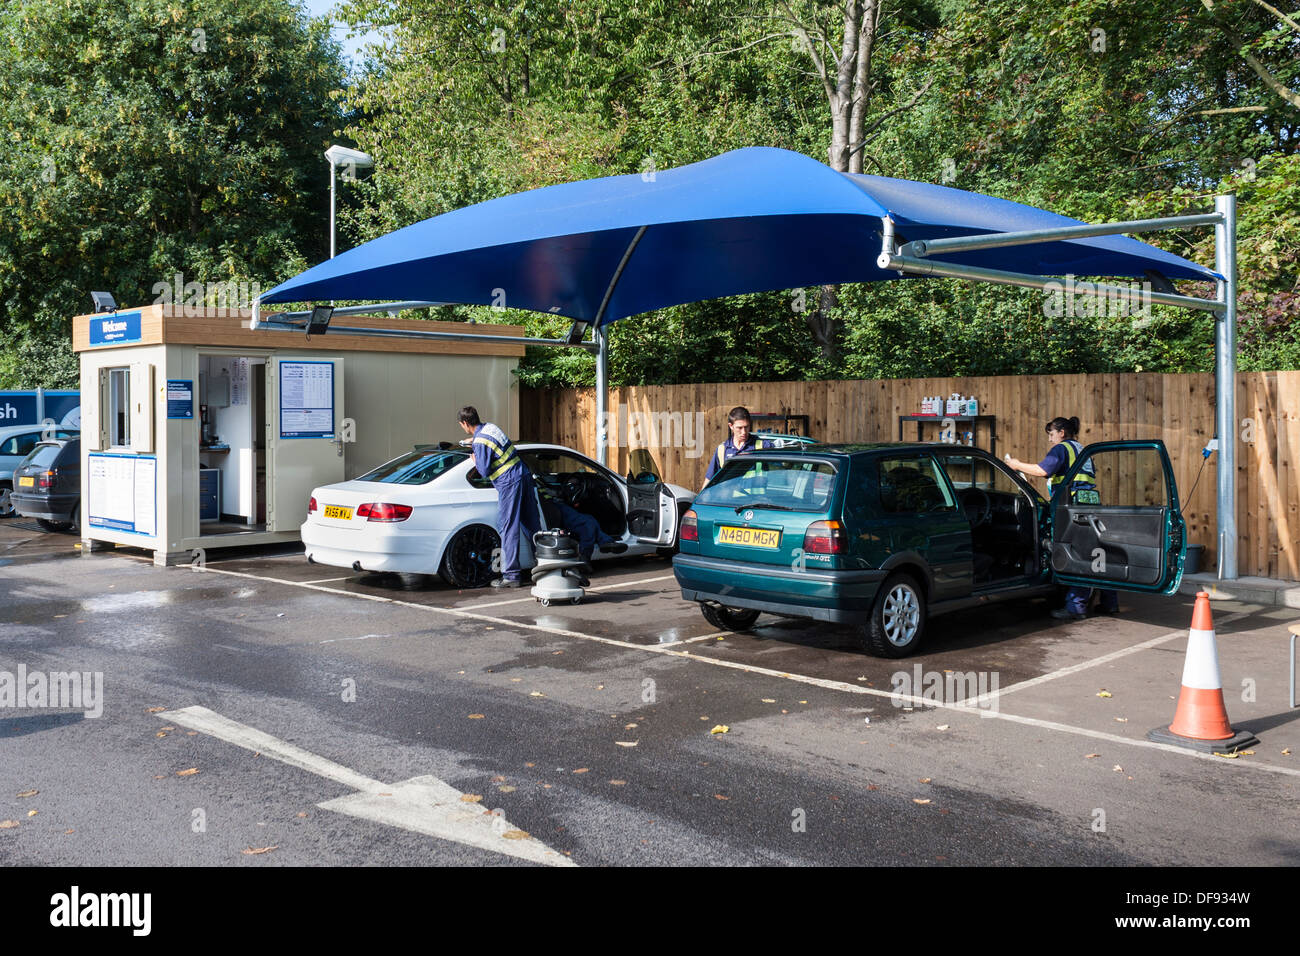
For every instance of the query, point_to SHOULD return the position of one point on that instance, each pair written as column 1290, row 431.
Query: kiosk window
column 119, row 407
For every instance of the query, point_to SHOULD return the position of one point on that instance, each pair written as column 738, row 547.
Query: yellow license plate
column 749, row 537
column 335, row 511
column 26, row 482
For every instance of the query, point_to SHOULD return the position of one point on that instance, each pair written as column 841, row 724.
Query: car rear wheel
column 467, row 562
column 75, row 524
column 898, row 619
column 49, row 525
column 729, row 618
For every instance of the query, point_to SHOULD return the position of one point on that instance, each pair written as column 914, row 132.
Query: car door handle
column 1096, row 525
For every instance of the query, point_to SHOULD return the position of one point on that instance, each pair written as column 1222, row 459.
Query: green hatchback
column 881, row 536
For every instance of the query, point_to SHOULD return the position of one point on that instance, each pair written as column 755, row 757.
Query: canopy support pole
column 1225, row 382
column 601, row 336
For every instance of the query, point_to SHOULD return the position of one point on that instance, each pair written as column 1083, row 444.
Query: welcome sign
column 115, row 329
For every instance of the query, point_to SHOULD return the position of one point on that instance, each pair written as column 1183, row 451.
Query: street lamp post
column 352, row 159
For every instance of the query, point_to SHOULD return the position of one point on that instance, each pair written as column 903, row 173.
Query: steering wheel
column 575, row 491
column 977, row 506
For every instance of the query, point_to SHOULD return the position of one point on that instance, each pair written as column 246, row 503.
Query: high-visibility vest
column 1087, row 476
column 503, row 453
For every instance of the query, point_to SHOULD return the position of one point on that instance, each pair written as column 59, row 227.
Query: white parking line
column 670, row 651
column 328, row 580
column 422, row 804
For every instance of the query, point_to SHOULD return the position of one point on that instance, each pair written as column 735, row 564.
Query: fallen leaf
column 1104, row 693
column 32, row 813
column 536, row 693
column 627, row 743
column 720, row 729
column 506, row 788
column 803, row 701
column 70, row 831
column 1232, row 756
column 1121, row 720
column 872, row 786
column 618, row 783
column 769, row 700
column 628, row 726
column 154, row 710
column 943, row 727
column 471, row 798
column 187, row 773
column 498, row 779
column 582, row 770
column 29, row 793
column 1090, row 756
column 919, row 800
column 160, row 734
column 925, row 779
column 169, row 728
column 8, row 824
column 516, row 680
column 160, row 777
column 1248, row 753
column 302, row 813
column 530, row 765
column 1285, row 753
column 475, row 716
column 702, row 718
column 515, row 835
column 255, row 851
column 863, row 677
column 1117, row 768
column 600, row 687
column 719, row 796
column 553, row 653
column 546, row 786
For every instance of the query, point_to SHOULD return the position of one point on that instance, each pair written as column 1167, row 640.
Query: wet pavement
column 591, row 725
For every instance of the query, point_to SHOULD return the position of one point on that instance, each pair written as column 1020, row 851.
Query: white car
column 430, row 512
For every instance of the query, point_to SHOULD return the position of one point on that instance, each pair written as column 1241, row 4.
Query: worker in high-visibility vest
column 741, row 440
column 499, row 463
column 1063, row 450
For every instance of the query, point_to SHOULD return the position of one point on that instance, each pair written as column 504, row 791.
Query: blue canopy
column 750, row 220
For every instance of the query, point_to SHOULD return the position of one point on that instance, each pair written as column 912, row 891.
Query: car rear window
column 43, row 456
column 416, row 467
column 795, row 484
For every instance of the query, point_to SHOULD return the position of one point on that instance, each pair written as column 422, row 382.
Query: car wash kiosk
column 199, row 432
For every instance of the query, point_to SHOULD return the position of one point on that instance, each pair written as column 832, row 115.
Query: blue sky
column 351, row 47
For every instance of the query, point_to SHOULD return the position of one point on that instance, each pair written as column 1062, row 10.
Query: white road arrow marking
column 422, row 804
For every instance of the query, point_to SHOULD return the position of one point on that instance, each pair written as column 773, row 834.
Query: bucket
column 1192, row 563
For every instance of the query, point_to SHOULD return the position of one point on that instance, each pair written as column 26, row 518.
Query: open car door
column 1121, row 527
column 651, row 507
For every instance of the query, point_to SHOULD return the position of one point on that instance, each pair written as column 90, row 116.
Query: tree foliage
column 154, row 138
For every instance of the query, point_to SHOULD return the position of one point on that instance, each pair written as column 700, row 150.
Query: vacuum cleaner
column 560, row 574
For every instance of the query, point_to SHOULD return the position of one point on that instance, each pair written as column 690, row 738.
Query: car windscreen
column 416, row 467
column 43, row 456
column 793, row 484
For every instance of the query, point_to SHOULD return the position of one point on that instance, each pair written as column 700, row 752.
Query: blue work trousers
column 516, row 514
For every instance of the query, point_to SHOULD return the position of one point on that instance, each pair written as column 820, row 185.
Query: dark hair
column 738, row 413
column 1068, row 425
column 469, row 415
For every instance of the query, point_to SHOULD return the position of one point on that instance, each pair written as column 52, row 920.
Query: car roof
column 861, row 448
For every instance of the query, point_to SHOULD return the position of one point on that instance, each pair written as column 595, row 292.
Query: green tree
column 154, row 138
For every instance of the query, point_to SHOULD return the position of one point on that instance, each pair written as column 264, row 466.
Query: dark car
column 47, row 485
column 881, row 536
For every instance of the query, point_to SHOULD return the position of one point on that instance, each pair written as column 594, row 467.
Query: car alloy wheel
column 467, row 562
column 897, row 620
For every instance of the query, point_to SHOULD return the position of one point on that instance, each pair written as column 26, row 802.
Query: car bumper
column 838, row 596
column 49, row 507
column 372, row 550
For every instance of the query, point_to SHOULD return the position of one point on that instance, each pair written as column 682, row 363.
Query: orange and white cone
column 1201, row 719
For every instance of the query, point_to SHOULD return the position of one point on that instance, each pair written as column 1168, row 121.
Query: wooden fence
column 681, row 425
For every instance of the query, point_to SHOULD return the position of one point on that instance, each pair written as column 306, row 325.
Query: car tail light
column 825, row 537
column 378, row 511
column 311, row 505
column 690, row 531
column 45, row 479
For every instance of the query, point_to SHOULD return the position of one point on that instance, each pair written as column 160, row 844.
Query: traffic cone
column 1201, row 719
